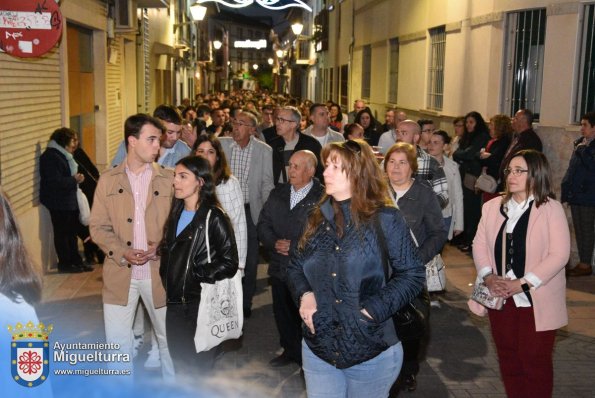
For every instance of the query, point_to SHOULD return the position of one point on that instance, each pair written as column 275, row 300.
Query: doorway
column 81, row 86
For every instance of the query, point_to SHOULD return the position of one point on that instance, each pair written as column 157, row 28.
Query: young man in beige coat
column 131, row 206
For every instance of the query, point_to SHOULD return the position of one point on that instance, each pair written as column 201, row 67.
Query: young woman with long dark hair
column 184, row 263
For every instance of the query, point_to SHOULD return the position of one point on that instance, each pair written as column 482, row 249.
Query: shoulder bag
column 220, row 315
column 486, row 183
column 481, row 294
column 435, row 271
column 469, row 181
column 409, row 321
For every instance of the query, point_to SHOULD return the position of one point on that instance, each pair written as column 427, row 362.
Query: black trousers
column 249, row 279
column 180, row 327
column 583, row 218
column 65, row 225
column 471, row 212
column 287, row 318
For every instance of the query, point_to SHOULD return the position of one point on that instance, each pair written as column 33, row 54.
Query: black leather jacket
column 184, row 265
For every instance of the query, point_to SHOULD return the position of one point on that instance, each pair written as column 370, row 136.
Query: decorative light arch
column 270, row 4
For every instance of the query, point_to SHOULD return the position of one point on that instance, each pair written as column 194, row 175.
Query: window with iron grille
column 585, row 101
column 523, row 61
column 436, row 68
column 393, row 71
column 366, row 71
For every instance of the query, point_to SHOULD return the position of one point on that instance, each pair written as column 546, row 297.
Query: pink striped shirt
column 140, row 184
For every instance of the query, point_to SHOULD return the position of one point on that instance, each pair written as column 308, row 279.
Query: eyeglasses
column 239, row 123
column 353, row 146
column 283, row 121
column 515, row 172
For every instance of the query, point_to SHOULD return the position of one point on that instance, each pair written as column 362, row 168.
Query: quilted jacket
column 346, row 275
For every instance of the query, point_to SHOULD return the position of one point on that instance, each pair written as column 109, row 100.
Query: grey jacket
column 260, row 180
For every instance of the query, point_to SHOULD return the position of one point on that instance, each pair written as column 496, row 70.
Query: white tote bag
column 84, row 209
column 220, row 315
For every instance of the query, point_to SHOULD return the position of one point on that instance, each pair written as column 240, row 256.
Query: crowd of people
column 348, row 211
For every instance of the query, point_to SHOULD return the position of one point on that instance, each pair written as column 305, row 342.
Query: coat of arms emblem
column 30, row 353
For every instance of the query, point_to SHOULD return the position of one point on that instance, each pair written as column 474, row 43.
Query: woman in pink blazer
column 537, row 247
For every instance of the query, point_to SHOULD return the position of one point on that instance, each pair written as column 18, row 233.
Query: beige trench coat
column 112, row 229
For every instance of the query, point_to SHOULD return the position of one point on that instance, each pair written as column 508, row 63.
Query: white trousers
column 119, row 318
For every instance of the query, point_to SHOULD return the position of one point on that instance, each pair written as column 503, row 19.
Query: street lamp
column 255, row 67
column 198, row 12
column 297, row 28
column 217, row 44
column 279, row 53
column 270, row 61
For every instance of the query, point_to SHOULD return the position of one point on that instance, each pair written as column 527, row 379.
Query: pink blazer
column 547, row 252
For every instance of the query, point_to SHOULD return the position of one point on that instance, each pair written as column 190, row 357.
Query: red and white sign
column 29, row 28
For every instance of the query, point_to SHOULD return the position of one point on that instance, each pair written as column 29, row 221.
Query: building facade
column 115, row 58
column 442, row 58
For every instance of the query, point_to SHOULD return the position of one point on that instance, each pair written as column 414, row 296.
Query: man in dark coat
column 289, row 141
column 524, row 138
column 280, row 226
column 578, row 190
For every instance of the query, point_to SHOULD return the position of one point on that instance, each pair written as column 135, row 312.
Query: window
column 366, row 71
column 331, row 80
column 324, row 83
column 523, row 61
column 436, row 68
column 393, row 71
column 344, row 85
column 585, row 101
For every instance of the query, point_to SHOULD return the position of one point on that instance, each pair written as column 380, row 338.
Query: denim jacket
column 346, row 275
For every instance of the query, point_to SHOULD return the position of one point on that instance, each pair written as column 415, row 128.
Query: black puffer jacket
column 346, row 275
column 184, row 265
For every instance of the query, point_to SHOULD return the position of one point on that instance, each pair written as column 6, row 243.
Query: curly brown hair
column 502, row 126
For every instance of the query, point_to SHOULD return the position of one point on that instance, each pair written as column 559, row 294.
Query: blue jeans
column 372, row 378
column 447, row 221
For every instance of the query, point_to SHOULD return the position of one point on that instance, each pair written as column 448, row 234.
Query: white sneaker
column 153, row 360
column 435, row 303
column 137, row 343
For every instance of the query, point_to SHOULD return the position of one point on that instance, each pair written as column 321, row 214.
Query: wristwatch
column 123, row 261
column 525, row 287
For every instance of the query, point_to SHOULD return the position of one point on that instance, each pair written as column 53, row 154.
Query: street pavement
column 459, row 360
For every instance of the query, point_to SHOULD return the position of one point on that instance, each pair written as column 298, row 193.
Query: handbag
column 220, row 315
column 469, row 181
column 435, row 274
column 486, row 183
column 410, row 320
column 84, row 208
column 481, row 294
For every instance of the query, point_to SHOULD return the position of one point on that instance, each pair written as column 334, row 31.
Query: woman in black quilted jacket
column 350, row 348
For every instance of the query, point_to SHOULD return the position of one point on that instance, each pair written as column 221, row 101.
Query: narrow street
column 460, row 360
